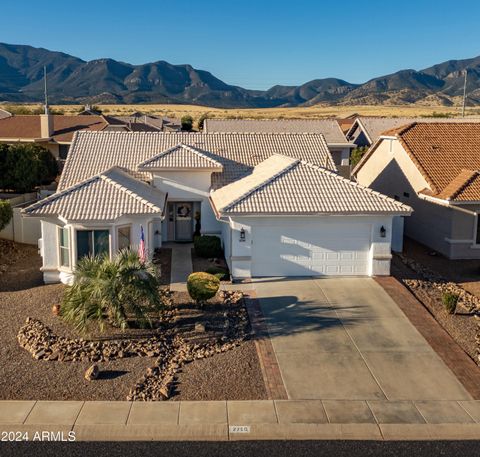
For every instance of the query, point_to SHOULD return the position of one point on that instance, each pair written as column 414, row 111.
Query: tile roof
column 27, row 127
column 446, row 154
column 181, row 156
column 283, row 185
column 328, row 127
column 374, row 127
column 103, row 197
column 93, row 152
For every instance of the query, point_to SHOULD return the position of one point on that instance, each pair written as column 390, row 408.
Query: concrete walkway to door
column 345, row 339
column 181, row 265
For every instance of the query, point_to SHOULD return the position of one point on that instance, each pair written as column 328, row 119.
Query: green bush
column 219, row 272
column 450, row 301
column 25, row 166
column 201, row 121
column 357, row 155
column 6, row 213
column 207, row 246
column 187, row 122
column 202, row 286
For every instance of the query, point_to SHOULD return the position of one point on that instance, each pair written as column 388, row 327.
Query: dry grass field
column 273, row 113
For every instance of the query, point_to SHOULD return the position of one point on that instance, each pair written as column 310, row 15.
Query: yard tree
column 25, row 166
column 187, row 122
column 6, row 213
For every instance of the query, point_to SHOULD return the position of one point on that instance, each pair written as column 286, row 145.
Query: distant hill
column 72, row 80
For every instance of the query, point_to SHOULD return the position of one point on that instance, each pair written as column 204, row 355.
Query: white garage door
column 310, row 249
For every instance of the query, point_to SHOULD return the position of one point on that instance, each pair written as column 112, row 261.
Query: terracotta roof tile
column 28, row 126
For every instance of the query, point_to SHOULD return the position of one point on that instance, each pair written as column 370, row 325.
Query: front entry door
column 183, row 222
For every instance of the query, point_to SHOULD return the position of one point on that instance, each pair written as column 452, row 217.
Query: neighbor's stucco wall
column 390, row 170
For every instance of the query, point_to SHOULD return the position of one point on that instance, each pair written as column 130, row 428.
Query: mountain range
column 73, row 80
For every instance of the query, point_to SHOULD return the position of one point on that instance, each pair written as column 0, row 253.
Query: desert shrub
column 450, row 301
column 207, row 246
column 187, row 122
column 219, row 272
column 202, row 286
column 112, row 291
column 6, row 213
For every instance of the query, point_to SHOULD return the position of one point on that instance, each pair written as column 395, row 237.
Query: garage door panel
column 316, row 249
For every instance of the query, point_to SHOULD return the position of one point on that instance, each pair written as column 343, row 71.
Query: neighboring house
column 338, row 145
column 275, row 200
column 434, row 168
column 54, row 132
column 365, row 131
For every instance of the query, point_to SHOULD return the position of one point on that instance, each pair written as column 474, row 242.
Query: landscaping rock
column 92, row 373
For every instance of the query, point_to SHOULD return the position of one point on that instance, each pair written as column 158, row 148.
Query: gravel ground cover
column 234, row 374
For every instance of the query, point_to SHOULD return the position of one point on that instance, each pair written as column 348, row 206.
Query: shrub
column 201, row 121
column 450, row 301
column 187, row 122
column 357, row 155
column 207, row 246
column 111, row 291
column 219, row 272
column 6, row 213
column 202, row 286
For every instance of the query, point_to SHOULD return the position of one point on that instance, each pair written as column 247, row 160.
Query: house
column 338, row 145
column 434, row 168
column 275, row 200
column 4, row 114
column 139, row 122
column 365, row 131
column 54, row 132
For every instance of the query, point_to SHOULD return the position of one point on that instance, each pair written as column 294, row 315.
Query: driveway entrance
column 346, row 339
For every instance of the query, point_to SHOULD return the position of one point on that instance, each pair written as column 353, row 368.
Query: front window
column 123, row 237
column 92, row 242
column 64, row 244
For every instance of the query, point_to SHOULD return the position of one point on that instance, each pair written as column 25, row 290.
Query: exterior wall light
column 242, row 234
column 383, row 232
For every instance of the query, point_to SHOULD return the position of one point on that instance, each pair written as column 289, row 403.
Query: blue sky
column 255, row 44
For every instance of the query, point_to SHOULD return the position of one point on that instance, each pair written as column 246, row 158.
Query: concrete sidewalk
column 246, row 420
column 181, row 265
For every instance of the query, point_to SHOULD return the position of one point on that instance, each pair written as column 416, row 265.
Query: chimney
column 46, row 124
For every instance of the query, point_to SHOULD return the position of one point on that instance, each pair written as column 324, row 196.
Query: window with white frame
column 123, row 237
column 92, row 242
column 64, row 246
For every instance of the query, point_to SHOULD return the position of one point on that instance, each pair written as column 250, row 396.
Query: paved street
column 345, row 339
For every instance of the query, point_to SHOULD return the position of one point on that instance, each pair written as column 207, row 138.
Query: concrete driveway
column 346, row 339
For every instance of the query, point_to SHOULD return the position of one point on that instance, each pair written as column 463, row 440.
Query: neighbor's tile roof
column 374, row 127
column 283, row 185
column 103, row 197
column 27, row 127
column 181, row 156
column 446, row 154
column 93, row 152
column 328, row 127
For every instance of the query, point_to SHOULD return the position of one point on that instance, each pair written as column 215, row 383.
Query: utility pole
column 464, row 93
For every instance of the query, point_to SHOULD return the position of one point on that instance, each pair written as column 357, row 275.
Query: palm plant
column 111, row 291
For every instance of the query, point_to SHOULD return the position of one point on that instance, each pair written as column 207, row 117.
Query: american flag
column 141, row 248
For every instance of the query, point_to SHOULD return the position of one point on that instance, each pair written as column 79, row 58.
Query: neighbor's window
column 123, row 237
column 92, row 242
column 64, row 244
column 63, row 151
column 477, row 238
